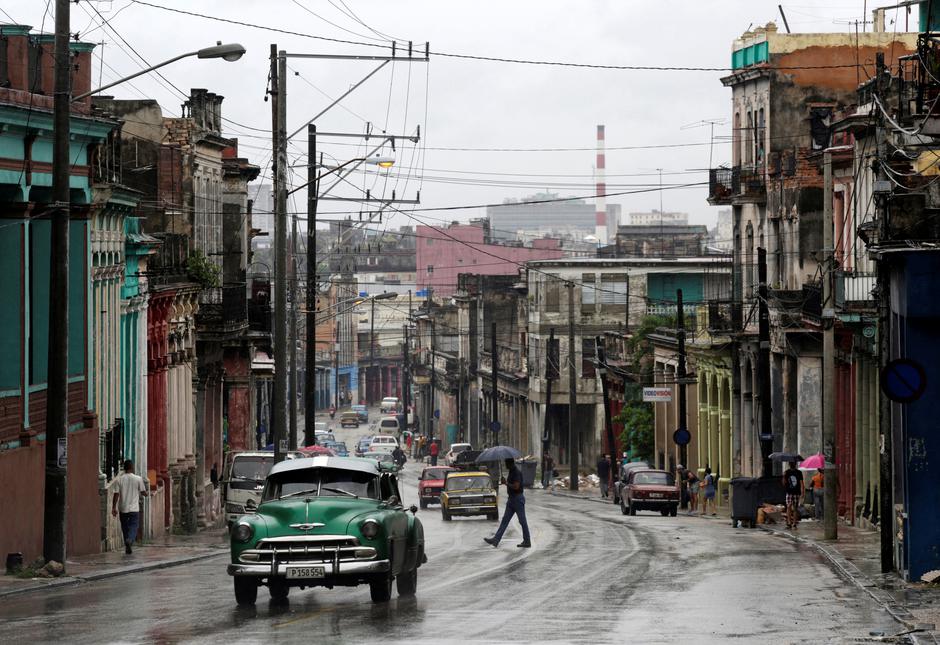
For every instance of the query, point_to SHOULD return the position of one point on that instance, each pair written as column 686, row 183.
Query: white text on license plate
column 656, row 494
column 305, row 572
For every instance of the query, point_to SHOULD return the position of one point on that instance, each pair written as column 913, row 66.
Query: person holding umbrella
column 515, row 496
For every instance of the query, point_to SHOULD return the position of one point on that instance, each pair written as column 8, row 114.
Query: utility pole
column 336, row 366
column 405, row 376
column 281, row 359
column 311, row 357
column 369, row 397
column 763, row 364
column 433, row 385
column 550, row 372
column 56, row 454
column 681, row 377
column 292, row 337
column 601, row 355
column 885, row 499
column 494, row 391
column 573, row 446
column 830, row 524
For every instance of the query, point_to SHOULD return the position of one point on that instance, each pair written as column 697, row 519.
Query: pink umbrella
column 813, row 462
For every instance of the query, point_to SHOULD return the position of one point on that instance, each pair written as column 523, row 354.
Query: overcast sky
column 465, row 104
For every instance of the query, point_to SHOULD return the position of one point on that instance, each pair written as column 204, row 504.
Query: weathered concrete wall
column 809, row 393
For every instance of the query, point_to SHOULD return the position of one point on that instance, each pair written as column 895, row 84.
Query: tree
column 636, row 418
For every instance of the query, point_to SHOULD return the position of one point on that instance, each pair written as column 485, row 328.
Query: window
column 760, row 136
column 588, row 292
column 430, row 269
column 552, row 349
column 588, row 354
column 551, row 293
column 749, row 140
column 613, row 289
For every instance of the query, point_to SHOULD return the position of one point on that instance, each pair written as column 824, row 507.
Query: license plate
column 305, row 572
column 657, row 495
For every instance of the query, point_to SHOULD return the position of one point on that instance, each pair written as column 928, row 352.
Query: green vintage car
column 326, row 522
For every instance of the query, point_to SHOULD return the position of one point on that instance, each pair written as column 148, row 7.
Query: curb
column 69, row 581
column 854, row 575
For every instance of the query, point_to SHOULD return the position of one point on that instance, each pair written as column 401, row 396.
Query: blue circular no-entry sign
column 495, row 426
column 681, row 437
column 903, row 380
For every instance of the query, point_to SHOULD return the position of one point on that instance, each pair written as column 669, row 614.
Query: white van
column 383, row 443
column 389, row 425
column 243, row 478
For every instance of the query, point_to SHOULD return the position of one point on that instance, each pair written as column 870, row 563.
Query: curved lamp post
column 230, row 53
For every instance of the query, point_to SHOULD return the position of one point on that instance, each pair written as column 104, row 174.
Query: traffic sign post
column 681, row 437
column 903, row 380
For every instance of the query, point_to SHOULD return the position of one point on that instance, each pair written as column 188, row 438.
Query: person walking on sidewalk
column 603, row 472
column 708, row 486
column 433, row 451
column 692, row 483
column 819, row 493
column 126, row 502
column 515, row 505
column 794, row 488
column 548, row 469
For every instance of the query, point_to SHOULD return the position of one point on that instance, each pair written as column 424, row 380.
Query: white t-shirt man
column 129, row 489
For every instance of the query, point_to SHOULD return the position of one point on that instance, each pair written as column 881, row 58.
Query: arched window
column 759, row 139
column 736, row 140
column 749, row 140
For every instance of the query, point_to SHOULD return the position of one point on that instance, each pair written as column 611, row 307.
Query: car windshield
column 338, row 445
column 467, row 483
column 656, row 479
column 252, row 468
column 322, row 482
column 460, row 447
column 435, row 473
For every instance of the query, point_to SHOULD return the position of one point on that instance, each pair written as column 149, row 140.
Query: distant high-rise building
column 655, row 217
column 262, row 212
column 543, row 215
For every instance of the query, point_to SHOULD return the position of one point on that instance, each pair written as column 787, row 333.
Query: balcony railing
column 168, row 265
column 854, row 290
column 812, row 303
column 740, row 183
column 229, row 314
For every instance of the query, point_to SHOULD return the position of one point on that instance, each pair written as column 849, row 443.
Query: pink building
column 445, row 252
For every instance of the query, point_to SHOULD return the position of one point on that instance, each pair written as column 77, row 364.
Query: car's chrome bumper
column 471, row 510
column 654, row 502
column 332, row 568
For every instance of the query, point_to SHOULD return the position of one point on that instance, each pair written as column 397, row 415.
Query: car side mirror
column 413, row 509
column 393, row 500
column 251, row 506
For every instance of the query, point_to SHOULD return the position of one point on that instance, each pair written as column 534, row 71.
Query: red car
column 649, row 490
column 431, row 483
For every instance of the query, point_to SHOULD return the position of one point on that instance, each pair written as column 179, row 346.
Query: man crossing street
column 515, row 505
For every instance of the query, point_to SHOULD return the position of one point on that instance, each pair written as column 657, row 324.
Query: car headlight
column 454, row 501
column 243, row 532
column 234, row 508
column 369, row 528
column 489, row 499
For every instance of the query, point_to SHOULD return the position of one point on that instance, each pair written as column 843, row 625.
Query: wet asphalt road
column 593, row 576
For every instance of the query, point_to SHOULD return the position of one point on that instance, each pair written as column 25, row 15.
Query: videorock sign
column 657, row 394
column 62, row 459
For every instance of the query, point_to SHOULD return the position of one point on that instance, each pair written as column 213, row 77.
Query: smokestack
column 600, row 176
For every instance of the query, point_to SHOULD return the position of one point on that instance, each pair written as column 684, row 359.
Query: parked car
column 325, row 522
column 389, row 404
column 455, row 449
column 431, row 483
column 621, row 479
column 389, row 425
column 362, row 446
column 468, row 493
column 349, row 418
column 650, row 490
column 383, row 443
column 362, row 411
column 338, row 447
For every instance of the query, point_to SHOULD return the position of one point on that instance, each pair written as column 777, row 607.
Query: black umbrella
column 498, row 453
column 785, row 456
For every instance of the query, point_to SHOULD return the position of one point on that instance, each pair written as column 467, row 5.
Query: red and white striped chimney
column 600, row 176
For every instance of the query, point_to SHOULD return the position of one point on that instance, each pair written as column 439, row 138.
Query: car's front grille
column 308, row 548
column 470, row 500
column 432, row 491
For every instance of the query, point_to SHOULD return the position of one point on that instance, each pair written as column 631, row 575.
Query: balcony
column 168, row 266
column 229, row 315
column 812, row 303
column 853, row 291
column 737, row 185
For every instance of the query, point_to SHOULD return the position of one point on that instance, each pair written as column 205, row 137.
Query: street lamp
column 230, row 53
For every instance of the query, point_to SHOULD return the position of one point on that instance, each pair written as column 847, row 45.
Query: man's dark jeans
column 130, row 522
column 515, row 505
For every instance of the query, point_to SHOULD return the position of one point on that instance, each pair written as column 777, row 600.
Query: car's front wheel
column 278, row 589
column 623, row 507
column 445, row 515
column 424, row 503
column 380, row 588
column 492, row 517
column 246, row 590
column 408, row 583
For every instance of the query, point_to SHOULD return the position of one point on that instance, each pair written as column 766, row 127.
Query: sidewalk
column 171, row 551
column 855, row 556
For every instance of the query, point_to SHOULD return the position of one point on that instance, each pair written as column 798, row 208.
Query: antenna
column 711, row 123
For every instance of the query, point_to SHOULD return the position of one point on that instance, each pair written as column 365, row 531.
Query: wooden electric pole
column 573, row 446
column 830, row 512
